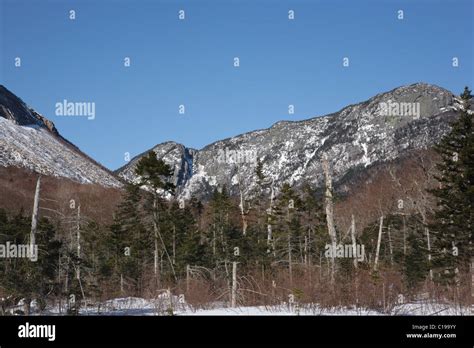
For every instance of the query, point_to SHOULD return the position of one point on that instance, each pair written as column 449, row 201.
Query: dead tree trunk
column 390, row 245
column 243, row 214
column 354, row 255
column 354, row 245
column 404, row 236
column 78, row 241
column 174, row 244
column 34, row 217
column 429, row 252
column 428, row 241
column 330, row 214
column 305, row 251
column 269, row 220
column 379, row 239
column 234, row 285
column 155, row 240
column 214, row 240
column 309, row 250
column 188, row 274
column 290, row 261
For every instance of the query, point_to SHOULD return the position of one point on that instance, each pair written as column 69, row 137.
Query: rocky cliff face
column 178, row 156
column 15, row 110
column 381, row 129
column 29, row 140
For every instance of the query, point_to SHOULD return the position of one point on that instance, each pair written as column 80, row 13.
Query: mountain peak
column 416, row 92
column 14, row 109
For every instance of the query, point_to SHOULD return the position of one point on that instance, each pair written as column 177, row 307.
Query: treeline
column 276, row 245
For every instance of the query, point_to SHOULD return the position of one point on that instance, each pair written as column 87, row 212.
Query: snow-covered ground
column 173, row 305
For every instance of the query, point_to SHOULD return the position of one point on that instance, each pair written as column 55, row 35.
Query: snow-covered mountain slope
column 29, row 140
column 378, row 130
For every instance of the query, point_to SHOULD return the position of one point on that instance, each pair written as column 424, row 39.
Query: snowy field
column 173, row 305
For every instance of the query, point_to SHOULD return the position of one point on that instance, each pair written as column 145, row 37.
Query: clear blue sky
column 190, row 62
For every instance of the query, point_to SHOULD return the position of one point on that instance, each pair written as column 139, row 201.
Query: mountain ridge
column 356, row 136
column 433, row 100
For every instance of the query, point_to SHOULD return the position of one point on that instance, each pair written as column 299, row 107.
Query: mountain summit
column 14, row 109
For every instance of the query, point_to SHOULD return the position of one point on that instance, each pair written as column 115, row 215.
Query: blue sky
column 190, row 62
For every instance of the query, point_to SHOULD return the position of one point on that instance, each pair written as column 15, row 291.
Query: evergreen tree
column 453, row 221
column 226, row 241
column 156, row 175
column 415, row 265
column 288, row 233
column 24, row 278
column 131, row 243
column 315, row 235
column 259, row 172
column 183, row 238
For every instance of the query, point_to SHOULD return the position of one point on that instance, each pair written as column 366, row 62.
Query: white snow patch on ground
column 168, row 304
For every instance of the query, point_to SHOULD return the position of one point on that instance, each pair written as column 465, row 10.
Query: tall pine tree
column 156, row 175
column 453, row 220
